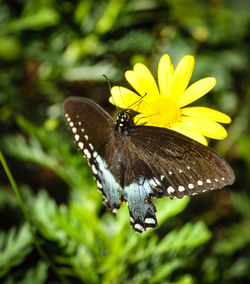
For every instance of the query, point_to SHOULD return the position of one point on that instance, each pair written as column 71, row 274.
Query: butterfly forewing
column 161, row 162
column 92, row 128
column 181, row 166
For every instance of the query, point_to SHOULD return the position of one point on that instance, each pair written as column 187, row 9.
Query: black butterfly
column 137, row 163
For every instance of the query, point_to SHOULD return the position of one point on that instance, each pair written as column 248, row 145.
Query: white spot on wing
column 154, row 182
column 181, row 188
column 139, row 227
column 79, row 123
column 94, row 169
column 132, row 220
column 74, row 130
column 68, row 119
column 216, row 179
column 199, row 182
column 188, row 167
column 170, row 190
column 66, row 115
column 99, row 185
column 208, row 180
column 91, row 146
column 180, row 171
column 77, row 137
column 87, row 153
column 170, row 172
column 71, row 124
column 80, row 145
column 162, row 177
column 190, row 186
column 95, row 154
column 86, row 137
column 150, row 221
column 223, row 178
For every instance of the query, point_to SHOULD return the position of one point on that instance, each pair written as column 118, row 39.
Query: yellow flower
column 165, row 106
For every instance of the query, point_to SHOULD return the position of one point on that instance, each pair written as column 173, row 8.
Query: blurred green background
column 50, row 49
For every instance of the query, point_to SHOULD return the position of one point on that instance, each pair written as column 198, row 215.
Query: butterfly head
column 123, row 121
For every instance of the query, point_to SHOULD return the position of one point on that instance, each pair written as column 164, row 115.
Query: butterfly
column 135, row 164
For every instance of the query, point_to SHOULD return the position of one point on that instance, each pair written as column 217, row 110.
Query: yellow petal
column 141, row 119
column 142, row 81
column 182, row 76
column 124, row 98
column 197, row 90
column 206, row 127
column 165, row 75
column 190, row 132
column 206, row 113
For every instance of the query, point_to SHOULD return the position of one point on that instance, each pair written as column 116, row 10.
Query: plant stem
column 28, row 219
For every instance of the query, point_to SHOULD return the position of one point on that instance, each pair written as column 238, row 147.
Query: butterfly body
column 137, row 163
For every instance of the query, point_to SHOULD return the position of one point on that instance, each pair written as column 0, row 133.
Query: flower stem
column 28, row 219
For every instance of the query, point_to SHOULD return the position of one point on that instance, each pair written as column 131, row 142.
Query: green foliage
column 82, row 237
column 37, row 273
column 52, row 49
column 15, row 246
column 94, row 246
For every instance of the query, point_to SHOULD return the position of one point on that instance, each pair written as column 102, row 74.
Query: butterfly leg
column 141, row 208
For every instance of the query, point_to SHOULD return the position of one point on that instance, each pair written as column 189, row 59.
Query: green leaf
column 109, row 16
column 189, row 236
column 241, row 203
column 238, row 237
column 47, row 149
column 37, row 274
column 44, row 211
column 14, row 247
column 134, row 41
column 44, row 17
column 163, row 271
column 185, row 279
column 167, row 208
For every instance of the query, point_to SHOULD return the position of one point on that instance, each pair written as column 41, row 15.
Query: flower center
column 164, row 112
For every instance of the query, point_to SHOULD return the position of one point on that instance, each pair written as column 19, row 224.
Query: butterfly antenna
column 107, row 79
column 145, row 117
column 139, row 101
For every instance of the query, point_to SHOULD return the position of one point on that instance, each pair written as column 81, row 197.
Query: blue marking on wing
column 138, row 196
column 110, row 188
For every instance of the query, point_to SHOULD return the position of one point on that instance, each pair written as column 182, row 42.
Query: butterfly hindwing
column 92, row 128
column 138, row 191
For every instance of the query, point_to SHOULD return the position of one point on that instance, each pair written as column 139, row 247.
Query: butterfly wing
column 142, row 162
column 93, row 132
column 167, row 163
